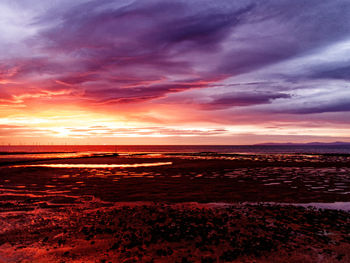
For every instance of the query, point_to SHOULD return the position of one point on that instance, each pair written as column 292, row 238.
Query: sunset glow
column 174, row 72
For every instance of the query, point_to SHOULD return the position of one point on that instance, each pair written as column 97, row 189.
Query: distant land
column 305, row 144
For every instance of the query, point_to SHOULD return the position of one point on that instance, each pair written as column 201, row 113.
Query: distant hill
column 305, row 144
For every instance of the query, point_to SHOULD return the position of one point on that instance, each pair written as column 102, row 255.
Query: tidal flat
column 198, row 207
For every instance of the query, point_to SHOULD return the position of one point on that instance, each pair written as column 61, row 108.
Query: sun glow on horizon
column 90, row 127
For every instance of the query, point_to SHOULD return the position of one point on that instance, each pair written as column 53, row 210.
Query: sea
column 224, row 149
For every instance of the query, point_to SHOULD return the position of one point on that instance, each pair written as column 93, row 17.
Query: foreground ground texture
column 167, row 213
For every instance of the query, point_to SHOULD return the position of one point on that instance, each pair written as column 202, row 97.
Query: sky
column 174, row 72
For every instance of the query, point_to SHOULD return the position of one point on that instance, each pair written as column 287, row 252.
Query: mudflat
column 174, row 208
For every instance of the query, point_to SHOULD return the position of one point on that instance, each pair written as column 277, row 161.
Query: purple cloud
column 292, row 54
column 243, row 99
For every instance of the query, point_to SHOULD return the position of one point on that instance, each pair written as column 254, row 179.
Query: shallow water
column 321, row 149
column 94, row 165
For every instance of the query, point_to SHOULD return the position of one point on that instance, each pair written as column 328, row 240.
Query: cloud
column 243, row 99
column 23, row 131
column 342, row 105
column 168, row 41
column 228, row 61
column 104, row 131
column 144, row 131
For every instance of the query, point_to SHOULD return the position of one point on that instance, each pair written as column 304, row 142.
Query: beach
column 175, row 207
column 174, row 131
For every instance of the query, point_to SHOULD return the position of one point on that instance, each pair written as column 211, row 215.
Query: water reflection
column 95, row 165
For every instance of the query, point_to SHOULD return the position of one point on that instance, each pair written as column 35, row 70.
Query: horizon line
column 256, row 144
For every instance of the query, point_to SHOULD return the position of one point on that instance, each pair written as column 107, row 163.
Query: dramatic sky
column 174, row 71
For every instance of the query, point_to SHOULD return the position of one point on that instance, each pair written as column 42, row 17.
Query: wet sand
column 166, row 213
